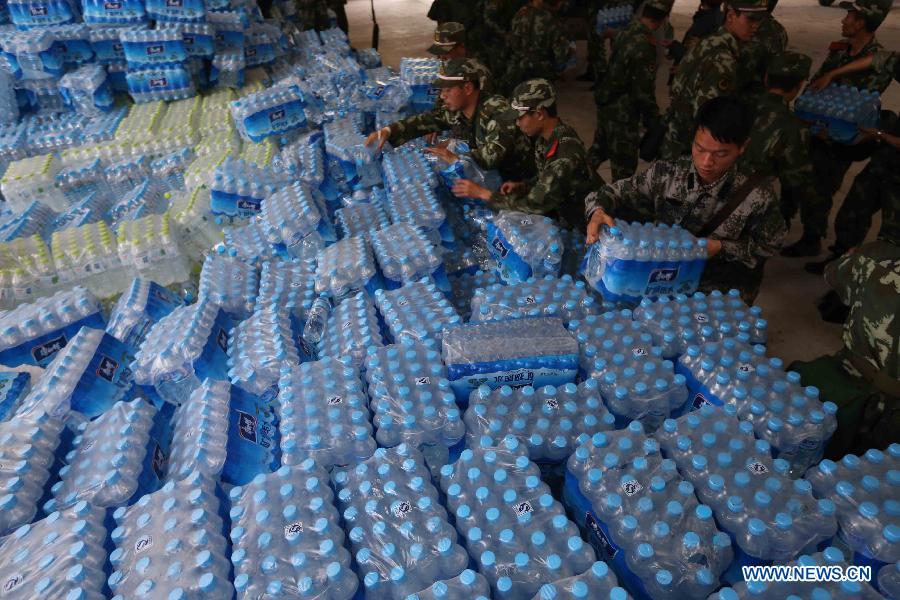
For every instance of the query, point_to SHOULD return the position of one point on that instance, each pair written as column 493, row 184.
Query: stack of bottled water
column 230, row 283
column 238, row 188
column 82, row 178
column 9, row 107
column 287, row 536
column 258, row 348
column 792, row 418
column 465, row 285
column 633, row 260
column 411, row 397
column 524, row 246
column 361, row 219
column 28, row 451
column 467, row 584
column 419, row 74
column 599, row 582
column 352, row 329
column 170, row 168
column 13, row 389
column 405, row 254
column 87, row 90
column 143, row 199
column 548, row 297
column 323, row 414
column 200, row 433
column 614, row 17
column 288, row 284
column 138, row 309
column 247, row 243
column 769, row 516
column 124, row 175
column 36, row 219
column 644, row 518
column 34, row 333
column 635, row 381
column 345, row 268
column 345, row 143
column 170, row 543
column 291, row 217
column 97, row 12
column 399, row 532
column 31, row 179
column 839, row 111
column 864, row 490
column 680, row 321
column 110, row 462
column 61, row 556
column 89, row 210
column 418, row 310
column 274, row 111
column 382, row 92
column 149, row 246
column 549, row 422
column 183, row 348
column 405, row 165
column 515, row 531
column 534, row 352
column 228, row 67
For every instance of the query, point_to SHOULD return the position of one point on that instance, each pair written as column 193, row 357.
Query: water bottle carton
column 151, row 84
column 181, row 11
column 140, row 307
column 323, row 414
column 26, row 271
column 465, row 285
column 826, row 561
column 411, row 397
column 405, row 165
column 31, row 179
column 151, row 247
column 74, row 42
column 290, row 285
column 247, row 243
column 515, row 532
column 122, row 176
column 238, row 188
column 790, row 417
column 36, row 219
column 181, row 118
column 345, row 143
column 275, row 111
column 89, row 375
column 195, row 223
column 229, row 29
column 49, row 131
column 419, row 74
column 42, row 13
column 113, row 13
column 632, row 261
column 229, row 283
column 259, row 155
column 32, row 54
column 259, row 346
column 227, row 68
column 405, row 254
column 352, row 328
column 534, row 352
column 88, row 255
column 614, row 17
column 171, row 167
column 79, row 179
column 863, row 488
column 259, row 47
column 172, row 542
column 768, row 516
column 414, row 200
column 679, row 321
column 599, row 582
column 399, row 532
column 635, row 381
column 13, row 389
column 198, row 38
column 549, row 422
column 32, row 334
column 361, row 219
column 201, row 433
column 287, row 536
column 419, row 310
column 108, row 48
column 60, row 556
column 111, row 463
column 216, row 116
column 839, row 111
column 643, row 519
column 152, row 47
column 183, row 348
column 346, row 267
column 102, row 127
column 524, row 246
column 548, row 296
column 292, row 217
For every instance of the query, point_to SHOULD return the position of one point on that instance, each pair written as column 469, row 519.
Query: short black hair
column 551, row 110
column 777, row 81
column 727, row 119
column 657, row 15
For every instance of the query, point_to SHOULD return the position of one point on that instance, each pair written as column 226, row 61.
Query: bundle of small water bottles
column 264, row 361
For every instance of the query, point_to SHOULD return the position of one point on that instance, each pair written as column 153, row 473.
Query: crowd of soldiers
column 729, row 160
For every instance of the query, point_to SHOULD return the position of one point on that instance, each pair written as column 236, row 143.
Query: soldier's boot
column 808, row 245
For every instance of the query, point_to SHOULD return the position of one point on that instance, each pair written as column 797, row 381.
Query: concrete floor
column 788, row 294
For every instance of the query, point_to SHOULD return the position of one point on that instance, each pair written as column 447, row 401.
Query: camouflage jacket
column 868, row 281
column 630, row 85
column 770, row 40
column 888, row 63
column 704, row 22
column 671, row 192
column 779, row 147
column 493, row 137
column 564, row 177
column 537, row 42
column 839, row 55
column 708, row 71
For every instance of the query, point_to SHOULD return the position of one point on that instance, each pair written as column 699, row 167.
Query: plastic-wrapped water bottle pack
column 465, row 285
column 14, row 386
column 418, row 310
column 467, row 584
column 614, row 17
column 864, row 490
column 643, row 518
column 515, row 531
column 149, row 246
column 259, row 347
column 291, row 217
column 839, row 111
column 547, row 297
column 200, row 433
column 290, row 285
column 274, row 111
column 231, row 284
column 404, row 253
column 345, row 268
column 524, row 246
column 352, row 329
column 138, row 309
column 549, row 422
column 361, row 220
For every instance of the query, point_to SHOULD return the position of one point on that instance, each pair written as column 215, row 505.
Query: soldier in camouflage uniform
column 628, row 95
column 538, row 48
column 709, row 70
column 779, row 142
column 484, row 121
column 564, row 175
column 449, row 41
column 771, row 39
column 491, row 32
column 831, row 161
column 708, row 196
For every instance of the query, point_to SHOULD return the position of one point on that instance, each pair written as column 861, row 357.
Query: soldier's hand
column 713, row 247
column 817, row 85
column 381, row 136
column 598, row 219
column 511, row 187
column 430, row 138
column 463, row 188
column 442, row 153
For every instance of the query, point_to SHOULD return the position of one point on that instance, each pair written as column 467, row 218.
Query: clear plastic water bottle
column 418, row 310
column 316, row 320
column 230, row 283
column 259, row 347
column 200, row 433
column 352, row 329
column 345, row 267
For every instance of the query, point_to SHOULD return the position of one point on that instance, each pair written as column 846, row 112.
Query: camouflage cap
column 873, row 10
column 750, row 6
column 790, row 64
column 532, row 95
column 458, row 71
column 447, row 36
column 663, row 5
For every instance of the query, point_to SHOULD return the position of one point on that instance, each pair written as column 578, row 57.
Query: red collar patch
column 841, row 45
column 552, row 151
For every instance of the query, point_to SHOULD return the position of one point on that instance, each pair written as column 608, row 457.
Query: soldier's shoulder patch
column 839, row 45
